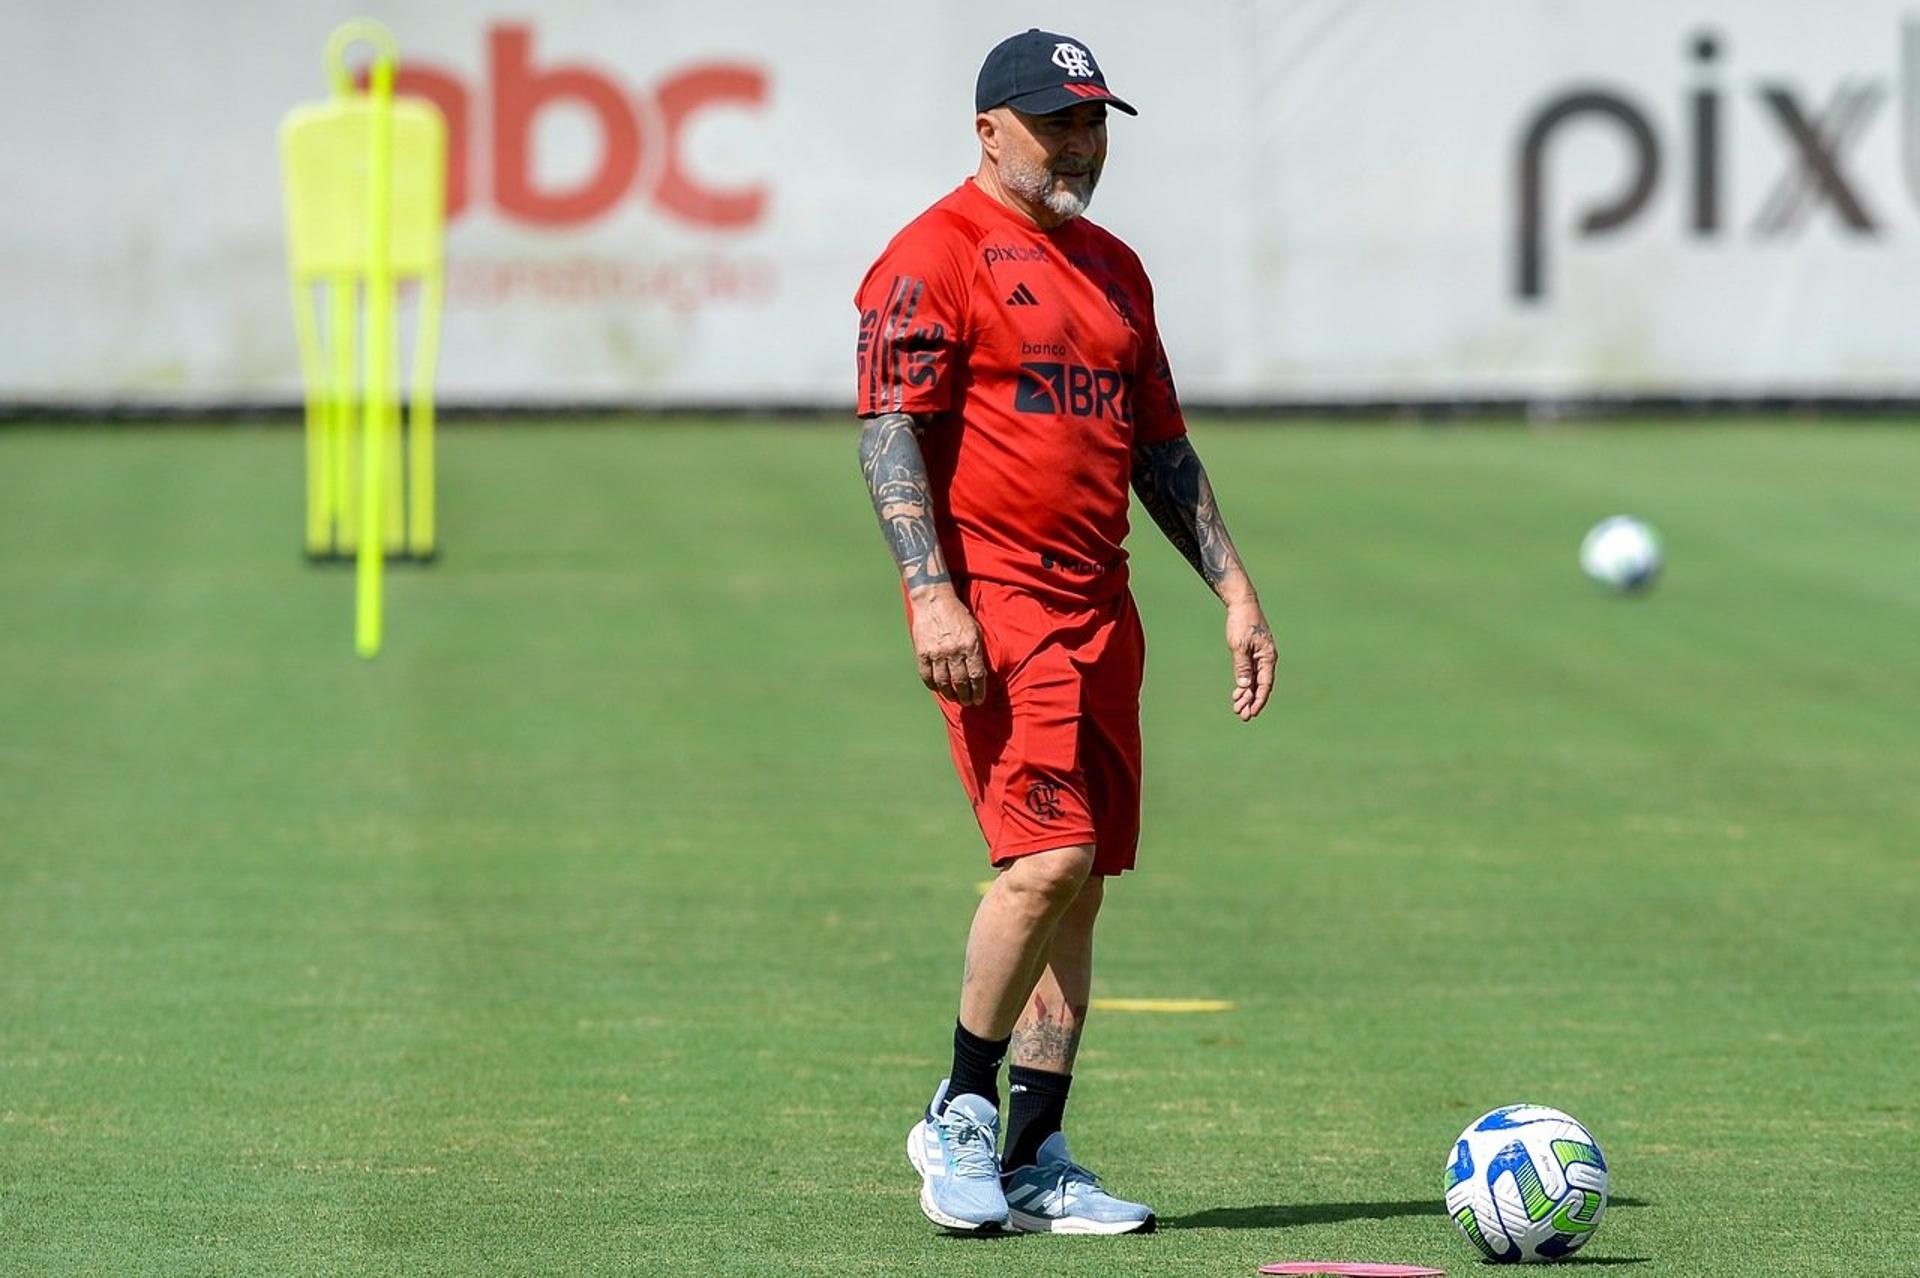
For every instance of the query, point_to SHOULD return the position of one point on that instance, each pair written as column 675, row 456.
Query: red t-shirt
column 1037, row 355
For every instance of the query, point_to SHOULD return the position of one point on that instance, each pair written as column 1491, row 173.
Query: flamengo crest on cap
column 1072, row 59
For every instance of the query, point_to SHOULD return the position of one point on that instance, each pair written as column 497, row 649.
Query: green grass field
column 610, row 922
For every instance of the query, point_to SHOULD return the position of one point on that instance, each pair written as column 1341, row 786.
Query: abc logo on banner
column 642, row 135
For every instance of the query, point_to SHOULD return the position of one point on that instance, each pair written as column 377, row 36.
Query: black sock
column 1038, row 1104
column 976, row 1065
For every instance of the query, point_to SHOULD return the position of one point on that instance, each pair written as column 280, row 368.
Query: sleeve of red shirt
column 1156, row 404
column 913, row 307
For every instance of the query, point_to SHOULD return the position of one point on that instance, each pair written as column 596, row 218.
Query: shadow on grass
column 974, row 1236
column 1281, row 1216
column 1602, row 1260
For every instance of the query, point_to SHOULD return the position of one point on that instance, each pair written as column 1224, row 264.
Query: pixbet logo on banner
column 1819, row 142
column 642, row 135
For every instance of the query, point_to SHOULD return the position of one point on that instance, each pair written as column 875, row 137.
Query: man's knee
column 1053, row 880
column 1087, row 904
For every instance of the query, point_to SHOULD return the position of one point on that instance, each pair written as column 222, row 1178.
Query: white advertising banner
column 1585, row 196
column 658, row 203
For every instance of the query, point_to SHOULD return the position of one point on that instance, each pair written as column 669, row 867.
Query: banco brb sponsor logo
column 1817, row 176
column 641, row 131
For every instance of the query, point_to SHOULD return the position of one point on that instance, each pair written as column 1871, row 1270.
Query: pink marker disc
column 1352, row 1271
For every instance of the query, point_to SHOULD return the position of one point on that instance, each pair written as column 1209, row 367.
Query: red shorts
column 1052, row 757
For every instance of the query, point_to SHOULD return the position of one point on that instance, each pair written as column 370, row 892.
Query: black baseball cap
column 1039, row 72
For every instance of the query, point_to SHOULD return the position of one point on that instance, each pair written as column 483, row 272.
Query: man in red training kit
column 1013, row 384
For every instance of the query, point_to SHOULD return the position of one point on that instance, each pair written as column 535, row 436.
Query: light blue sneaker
column 1058, row 1196
column 953, row 1150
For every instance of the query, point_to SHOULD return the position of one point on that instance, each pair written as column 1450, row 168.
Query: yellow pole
column 342, row 343
column 394, row 466
column 379, row 353
column 420, row 532
column 319, row 421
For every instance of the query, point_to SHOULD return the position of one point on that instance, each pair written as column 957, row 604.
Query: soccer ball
column 1621, row 554
column 1526, row 1183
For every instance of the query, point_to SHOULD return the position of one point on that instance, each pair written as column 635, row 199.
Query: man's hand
column 946, row 641
column 1254, row 657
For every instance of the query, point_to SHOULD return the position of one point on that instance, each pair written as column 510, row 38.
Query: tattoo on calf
column 1048, row 1038
column 896, row 476
column 1173, row 487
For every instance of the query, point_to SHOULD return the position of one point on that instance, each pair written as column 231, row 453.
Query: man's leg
column 1013, row 932
column 1046, row 1190
column 1047, row 1037
column 954, row 1146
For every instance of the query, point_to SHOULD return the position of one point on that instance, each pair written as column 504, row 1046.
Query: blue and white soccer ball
column 1526, row 1183
column 1621, row 553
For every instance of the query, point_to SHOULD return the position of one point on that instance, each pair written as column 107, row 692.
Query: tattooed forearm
column 897, row 480
column 1172, row 486
column 1048, row 1037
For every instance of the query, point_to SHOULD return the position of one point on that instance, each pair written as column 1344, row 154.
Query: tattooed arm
column 946, row 641
column 1172, row 486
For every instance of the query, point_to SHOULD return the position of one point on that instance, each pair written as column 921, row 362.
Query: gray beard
column 1067, row 203
column 1036, row 186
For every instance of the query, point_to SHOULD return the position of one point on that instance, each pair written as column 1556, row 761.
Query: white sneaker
column 952, row 1148
column 1058, row 1196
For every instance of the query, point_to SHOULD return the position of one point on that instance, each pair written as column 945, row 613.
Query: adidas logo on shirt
column 1022, row 296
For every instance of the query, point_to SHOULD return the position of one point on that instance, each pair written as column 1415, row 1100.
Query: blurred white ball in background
column 1622, row 554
